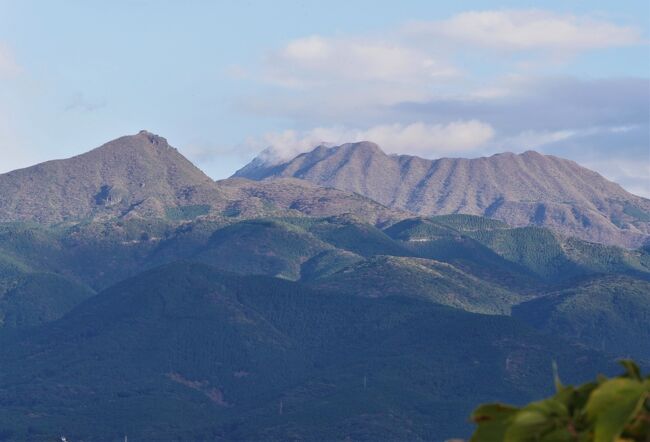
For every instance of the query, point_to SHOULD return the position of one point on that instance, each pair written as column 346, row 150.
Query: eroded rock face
column 524, row 189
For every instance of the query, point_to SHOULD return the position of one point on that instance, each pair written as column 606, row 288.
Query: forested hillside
column 139, row 298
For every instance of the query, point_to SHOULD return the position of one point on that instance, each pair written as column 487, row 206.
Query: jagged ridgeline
column 525, row 189
column 138, row 297
column 142, row 176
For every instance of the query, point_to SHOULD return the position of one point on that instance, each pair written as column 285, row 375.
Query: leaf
column 558, row 435
column 613, row 404
column 575, row 399
column 639, row 428
column 536, row 420
column 632, row 370
column 492, row 421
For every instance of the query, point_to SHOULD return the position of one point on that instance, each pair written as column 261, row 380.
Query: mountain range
column 142, row 176
column 140, row 298
column 524, row 189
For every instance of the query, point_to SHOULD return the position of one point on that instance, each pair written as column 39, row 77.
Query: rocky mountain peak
column 364, row 146
column 153, row 138
column 133, row 172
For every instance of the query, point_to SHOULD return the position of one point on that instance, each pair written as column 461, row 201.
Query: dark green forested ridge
column 610, row 313
column 247, row 313
column 212, row 355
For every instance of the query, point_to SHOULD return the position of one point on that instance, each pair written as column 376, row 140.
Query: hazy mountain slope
column 140, row 174
column 520, row 189
column 610, row 313
column 186, row 352
column 288, row 196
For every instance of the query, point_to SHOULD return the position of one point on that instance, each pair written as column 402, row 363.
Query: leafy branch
column 606, row 410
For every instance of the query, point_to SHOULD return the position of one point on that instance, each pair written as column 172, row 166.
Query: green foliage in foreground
column 607, row 410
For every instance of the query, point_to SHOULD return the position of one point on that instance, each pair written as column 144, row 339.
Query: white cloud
column 354, row 79
column 8, row 65
column 365, row 71
column 315, row 60
column 491, row 81
column 427, row 140
column 523, row 30
column 431, row 139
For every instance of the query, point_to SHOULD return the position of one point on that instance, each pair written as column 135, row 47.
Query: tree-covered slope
column 425, row 279
column 31, row 297
column 446, row 240
column 184, row 351
column 539, row 252
column 458, row 260
column 261, row 247
column 610, row 313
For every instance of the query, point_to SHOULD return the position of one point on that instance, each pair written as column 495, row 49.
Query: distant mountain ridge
column 140, row 173
column 142, row 176
column 520, row 189
column 139, row 297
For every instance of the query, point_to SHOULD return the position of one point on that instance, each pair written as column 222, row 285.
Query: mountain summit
column 140, row 173
column 520, row 189
column 143, row 176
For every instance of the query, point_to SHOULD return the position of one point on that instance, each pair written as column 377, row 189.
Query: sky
column 224, row 80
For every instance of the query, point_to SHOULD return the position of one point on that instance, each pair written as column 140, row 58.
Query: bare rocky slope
column 142, row 176
column 523, row 189
column 291, row 196
column 139, row 173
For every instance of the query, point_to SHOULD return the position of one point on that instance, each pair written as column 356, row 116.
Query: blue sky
column 224, row 80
